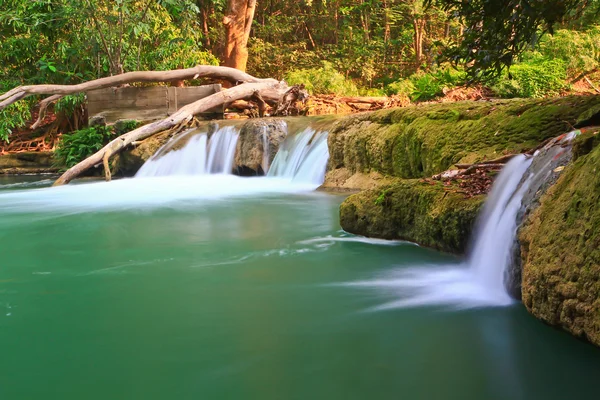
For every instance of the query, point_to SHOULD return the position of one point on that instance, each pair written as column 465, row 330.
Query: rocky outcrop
column 428, row 214
column 250, row 158
column 129, row 161
column 257, row 145
column 421, row 141
column 27, row 163
column 371, row 151
column 560, row 248
column 545, row 169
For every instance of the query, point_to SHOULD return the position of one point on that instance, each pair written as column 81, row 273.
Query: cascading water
column 266, row 150
column 198, row 157
column 200, row 171
column 302, row 158
column 479, row 281
column 496, row 228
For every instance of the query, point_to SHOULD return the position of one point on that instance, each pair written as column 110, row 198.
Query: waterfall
column 199, row 156
column 266, row 150
column 302, row 157
column 497, row 227
column 479, row 280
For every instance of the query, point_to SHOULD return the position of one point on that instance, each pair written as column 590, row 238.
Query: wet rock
column 258, row 144
column 546, row 167
column 27, row 163
column 560, row 251
column 427, row 213
column 421, row 141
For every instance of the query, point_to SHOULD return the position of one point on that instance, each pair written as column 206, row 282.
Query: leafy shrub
column 69, row 103
column 401, row 87
column 506, row 88
column 81, row 144
column 371, row 92
column 125, row 125
column 426, row 86
column 580, row 50
column 546, row 78
column 13, row 116
column 323, row 80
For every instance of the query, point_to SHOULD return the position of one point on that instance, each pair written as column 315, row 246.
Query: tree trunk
column 419, row 28
column 238, row 21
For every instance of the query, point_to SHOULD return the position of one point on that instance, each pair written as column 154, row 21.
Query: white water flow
column 266, row 150
column 302, row 157
column 199, row 156
column 479, row 281
column 199, row 172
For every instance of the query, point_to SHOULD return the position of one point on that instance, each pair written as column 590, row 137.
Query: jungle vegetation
column 415, row 48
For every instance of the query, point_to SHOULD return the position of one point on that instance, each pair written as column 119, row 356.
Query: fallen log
column 457, row 173
column 231, row 75
column 269, row 87
column 500, row 160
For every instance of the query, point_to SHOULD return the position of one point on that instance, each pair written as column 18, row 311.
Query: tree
column 238, row 22
column 497, row 32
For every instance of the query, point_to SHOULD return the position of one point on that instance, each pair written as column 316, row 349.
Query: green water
column 224, row 299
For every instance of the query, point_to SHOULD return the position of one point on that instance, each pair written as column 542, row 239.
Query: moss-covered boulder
column 560, row 247
column 426, row 213
column 421, row 141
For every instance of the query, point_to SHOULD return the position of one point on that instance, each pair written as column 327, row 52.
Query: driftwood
column 500, row 160
column 57, row 91
column 332, row 104
column 456, row 173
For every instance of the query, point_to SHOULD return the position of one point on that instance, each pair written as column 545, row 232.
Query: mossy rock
column 560, row 251
column 421, row 141
column 429, row 214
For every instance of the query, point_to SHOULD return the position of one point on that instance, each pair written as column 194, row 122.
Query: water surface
column 244, row 297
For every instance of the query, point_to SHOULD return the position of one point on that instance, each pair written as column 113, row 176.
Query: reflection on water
column 195, row 296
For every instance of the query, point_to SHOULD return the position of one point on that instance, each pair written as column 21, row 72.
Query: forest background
column 417, row 49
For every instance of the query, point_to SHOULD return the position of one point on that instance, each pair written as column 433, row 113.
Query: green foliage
column 497, row 32
column 323, row 80
column 68, row 104
column 179, row 53
column 123, row 126
column 427, row 86
column 401, row 87
column 579, row 50
column 540, row 79
column 536, row 79
column 13, row 116
column 81, row 144
column 68, row 41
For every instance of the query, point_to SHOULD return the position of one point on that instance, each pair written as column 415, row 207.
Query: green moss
column 585, row 143
column 429, row 214
column 560, row 246
column 421, row 141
